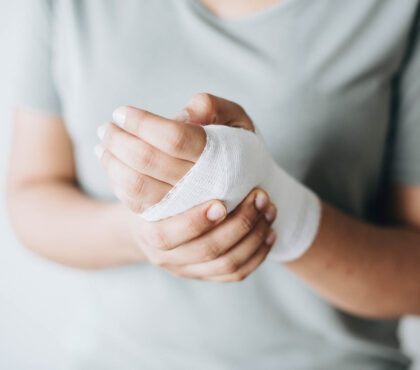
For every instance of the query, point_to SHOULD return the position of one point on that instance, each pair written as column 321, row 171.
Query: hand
column 202, row 243
column 207, row 109
column 301, row 209
column 147, row 155
column 144, row 160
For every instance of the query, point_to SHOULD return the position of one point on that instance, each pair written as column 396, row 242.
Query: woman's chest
column 316, row 81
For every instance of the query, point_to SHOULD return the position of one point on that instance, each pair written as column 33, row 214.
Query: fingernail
column 260, row 201
column 271, row 237
column 216, row 212
column 119, row 115
column 182, row 116
column 99, row 151
column 270, row 213
column 101, row 131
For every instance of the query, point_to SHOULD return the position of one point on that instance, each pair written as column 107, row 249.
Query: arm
column 50, row 214
column 56, row 220
column 366, row 269
column 53, row 218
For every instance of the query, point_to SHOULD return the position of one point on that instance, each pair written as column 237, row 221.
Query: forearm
column 364, row 269
column 56, row 220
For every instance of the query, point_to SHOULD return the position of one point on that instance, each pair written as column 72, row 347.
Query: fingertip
column 271, row 213
column 271, row 237
column 217, row 211
column 98, row 151
column 260, row 199
column 119, row 115
column 102, row 130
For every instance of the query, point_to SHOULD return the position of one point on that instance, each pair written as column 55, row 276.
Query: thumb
column 207, row 109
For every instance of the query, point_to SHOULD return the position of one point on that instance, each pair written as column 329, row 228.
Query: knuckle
column 245, row 221
column 205, row 99
column 144, row 158
column 135, row 205
column 207, row 104
column 193, row 226
column 134, row 119
column 229, row 265
column 158, row 260
column 160, row 240
column 210, row 251
column 135, row 185
column 138, row 114
column 178, row 140
column 135, row 116
column 237, row 277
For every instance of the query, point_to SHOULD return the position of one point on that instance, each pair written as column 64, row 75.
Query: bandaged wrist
column 233, row 162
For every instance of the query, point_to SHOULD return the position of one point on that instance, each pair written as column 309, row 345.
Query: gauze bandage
column 233, row 162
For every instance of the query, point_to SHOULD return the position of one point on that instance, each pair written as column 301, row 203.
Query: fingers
column 246, row 269
column 207, row 109
column 135, row 190
column 207, row 255
column 171, row 232
column 141, row 156
column 219, row 240
column 234, row 259
column 179, row 140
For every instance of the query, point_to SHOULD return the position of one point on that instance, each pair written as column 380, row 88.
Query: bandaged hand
column 145, row 156
column 228, row 161
column 235, row 160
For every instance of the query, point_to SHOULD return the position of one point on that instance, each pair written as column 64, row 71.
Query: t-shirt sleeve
column 405, row 140
column 35, row 87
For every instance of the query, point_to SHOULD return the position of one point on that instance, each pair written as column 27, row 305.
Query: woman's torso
column 315, row 76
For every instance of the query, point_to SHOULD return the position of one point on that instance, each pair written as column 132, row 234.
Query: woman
column 333, row 89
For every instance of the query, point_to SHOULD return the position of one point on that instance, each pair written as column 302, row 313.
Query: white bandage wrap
column 235, row 161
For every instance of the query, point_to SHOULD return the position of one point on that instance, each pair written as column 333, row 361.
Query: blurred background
column 37, row 296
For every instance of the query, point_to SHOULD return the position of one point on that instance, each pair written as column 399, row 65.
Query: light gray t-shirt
column 334, row 88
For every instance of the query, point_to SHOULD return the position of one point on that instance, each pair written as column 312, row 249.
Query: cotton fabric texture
column 333, row 87
column 235, row 161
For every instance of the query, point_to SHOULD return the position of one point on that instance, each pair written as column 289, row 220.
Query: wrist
column 126, row 242
column 299, row 214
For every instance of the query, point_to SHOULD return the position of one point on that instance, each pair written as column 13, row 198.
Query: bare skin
column 364, row 269
column 55, row 219
column 361, row 268
column 368, row 270
column 355, row 265
column 237, row 8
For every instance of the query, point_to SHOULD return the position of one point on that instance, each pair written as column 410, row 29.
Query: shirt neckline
column 258, row 16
